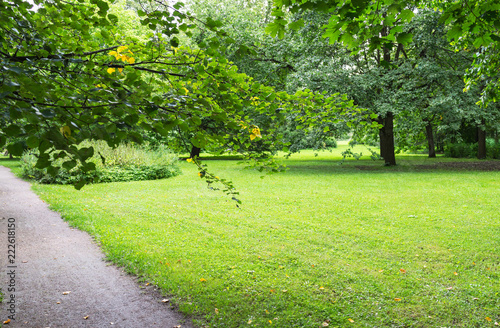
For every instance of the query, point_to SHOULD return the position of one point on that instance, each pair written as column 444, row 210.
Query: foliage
column 126, row 162
column 74, row 71
column 318, row 244
column 469, row 150
column 461, row 150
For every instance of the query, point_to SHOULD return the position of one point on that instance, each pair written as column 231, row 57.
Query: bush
column 469, row 150
column 300, row 140
column 492, row 149
column 461, row 150
column 127, row 162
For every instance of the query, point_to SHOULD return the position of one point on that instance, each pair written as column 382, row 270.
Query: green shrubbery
column 127, row 162
column 300, row 140
column 469, row 150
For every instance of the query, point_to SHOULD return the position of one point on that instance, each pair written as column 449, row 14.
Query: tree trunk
column 386, row 134
column 430, row 140
column 481, row 142
column 195, row 152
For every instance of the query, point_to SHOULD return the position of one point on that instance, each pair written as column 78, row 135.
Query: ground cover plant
column 126, row 162
column 324, row 244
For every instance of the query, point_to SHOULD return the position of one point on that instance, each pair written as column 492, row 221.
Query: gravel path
column 52, row 259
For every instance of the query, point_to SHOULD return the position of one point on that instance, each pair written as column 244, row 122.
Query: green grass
column 321, row 243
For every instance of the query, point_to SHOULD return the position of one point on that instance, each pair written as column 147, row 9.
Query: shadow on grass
column 405, row 166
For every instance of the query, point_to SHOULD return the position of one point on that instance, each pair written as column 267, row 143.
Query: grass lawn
column 320, row 245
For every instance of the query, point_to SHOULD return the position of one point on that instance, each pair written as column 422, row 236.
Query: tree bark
column 195, row 152
column 386, row 134
column 430, row 140
column 481, row 142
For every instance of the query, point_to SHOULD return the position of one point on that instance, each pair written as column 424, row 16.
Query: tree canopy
column 77, row 70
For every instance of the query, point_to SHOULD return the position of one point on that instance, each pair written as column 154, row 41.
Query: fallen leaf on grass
column 402, row 270
column 203, row 279
column 216, row 311
column 488, row 319
column 66, row 293
column 455, row 273
column 381, row 270
column 397, row 299
column 350, row 320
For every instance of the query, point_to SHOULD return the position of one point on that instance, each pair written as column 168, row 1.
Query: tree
column 378, row 27
column 69, row 73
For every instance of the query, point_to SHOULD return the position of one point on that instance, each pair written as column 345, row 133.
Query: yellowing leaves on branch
column 119, row 55
column 255, row 132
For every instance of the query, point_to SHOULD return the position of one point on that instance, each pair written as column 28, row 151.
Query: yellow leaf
column 252, row 136
column 131, row 60
column 65, row 131
column 270, row 322
column 455, row 273
column 6, row 322
column 122, row 48
column 189, row 160
column 110, row 70
column 185, row 91
column 256, row 132
column 120, row 70
column 488, row 319
column 112, row 53
column 350, row 320
column 86, row 317
column 397, row 299
column 203, row 279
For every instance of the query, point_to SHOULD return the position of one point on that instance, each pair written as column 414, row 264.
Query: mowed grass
column 322, row 244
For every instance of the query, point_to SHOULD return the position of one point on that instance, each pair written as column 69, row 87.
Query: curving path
column 51, row 258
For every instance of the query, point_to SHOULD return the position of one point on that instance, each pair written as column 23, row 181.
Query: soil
column 52, row 259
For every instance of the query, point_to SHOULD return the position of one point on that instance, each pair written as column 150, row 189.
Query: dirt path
column 51, row 258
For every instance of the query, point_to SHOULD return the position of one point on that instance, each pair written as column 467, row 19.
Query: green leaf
column 32, row 142
column 16, row 149
column 296, row 25
column 86, row 153
column 12, row 130
column 406, row 15
column 69, row 165
column 276, row 29
column 404, row 38
column 455, row 32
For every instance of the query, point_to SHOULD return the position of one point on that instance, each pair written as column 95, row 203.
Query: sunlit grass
column 320, row 244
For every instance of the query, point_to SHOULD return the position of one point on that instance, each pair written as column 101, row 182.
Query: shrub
column 492, row 149
column 469, row 150
column 461, row 150
column 127, row 162
column 299, row 140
